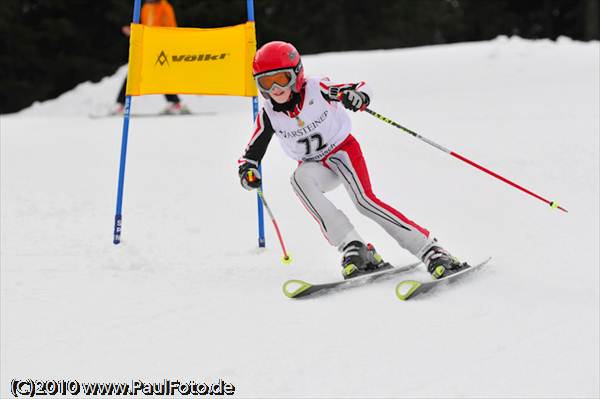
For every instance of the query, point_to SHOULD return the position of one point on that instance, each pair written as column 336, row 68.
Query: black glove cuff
column 245, row 167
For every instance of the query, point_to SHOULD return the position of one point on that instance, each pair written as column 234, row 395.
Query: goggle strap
column 298, row 67
column 295, row 69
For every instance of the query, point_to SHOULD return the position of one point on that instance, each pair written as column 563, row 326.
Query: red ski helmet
column 279, row 56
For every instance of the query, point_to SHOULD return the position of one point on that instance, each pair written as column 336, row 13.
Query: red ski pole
column 464, row 159
column 286, row 259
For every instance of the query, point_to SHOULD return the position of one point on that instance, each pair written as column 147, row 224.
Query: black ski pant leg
column 172, row 98
column 121, row 96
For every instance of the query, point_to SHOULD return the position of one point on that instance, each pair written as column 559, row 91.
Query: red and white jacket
column 307, row 130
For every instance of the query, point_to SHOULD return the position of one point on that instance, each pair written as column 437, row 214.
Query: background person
column 154, row 13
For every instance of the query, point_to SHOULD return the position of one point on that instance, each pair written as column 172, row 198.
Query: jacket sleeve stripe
column 256, row 148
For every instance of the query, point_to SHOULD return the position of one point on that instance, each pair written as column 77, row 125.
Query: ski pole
column 552, row 204
column 286, row 259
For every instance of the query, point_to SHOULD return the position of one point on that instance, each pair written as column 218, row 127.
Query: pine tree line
column 48, row 47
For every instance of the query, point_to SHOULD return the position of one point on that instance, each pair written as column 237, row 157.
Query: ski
column 410, row 288
column 150, row 115
column 301, row 289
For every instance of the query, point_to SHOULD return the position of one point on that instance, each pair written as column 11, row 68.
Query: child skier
column 306, row 115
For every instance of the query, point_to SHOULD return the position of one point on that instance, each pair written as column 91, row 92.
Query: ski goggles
column 281, row 78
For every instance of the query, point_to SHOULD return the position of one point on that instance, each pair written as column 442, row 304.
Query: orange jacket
column 158, row 14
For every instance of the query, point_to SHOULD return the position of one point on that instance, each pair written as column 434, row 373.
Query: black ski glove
column 354, row 100
column 249, row 176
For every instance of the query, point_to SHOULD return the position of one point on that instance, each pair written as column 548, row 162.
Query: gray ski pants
column 346, row 166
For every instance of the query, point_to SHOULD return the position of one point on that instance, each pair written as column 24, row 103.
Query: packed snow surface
column 188, row 295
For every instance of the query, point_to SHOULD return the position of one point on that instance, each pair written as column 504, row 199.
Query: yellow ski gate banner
column 191, row 60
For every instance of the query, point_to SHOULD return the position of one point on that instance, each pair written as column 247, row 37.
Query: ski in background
column 151, row 115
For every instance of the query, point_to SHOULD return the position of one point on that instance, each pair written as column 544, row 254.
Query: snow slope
column 188, row 295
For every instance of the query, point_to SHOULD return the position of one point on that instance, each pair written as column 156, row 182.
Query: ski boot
column 118, row 109
column 359, row 260
column 441, row 264
column 176, row 109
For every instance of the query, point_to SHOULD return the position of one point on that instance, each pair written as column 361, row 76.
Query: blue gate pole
column 261, row 218
column 126, row 115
